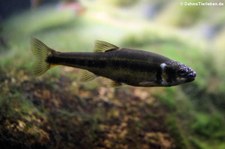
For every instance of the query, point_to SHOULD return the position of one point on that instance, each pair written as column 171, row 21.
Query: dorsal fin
column 103, row 46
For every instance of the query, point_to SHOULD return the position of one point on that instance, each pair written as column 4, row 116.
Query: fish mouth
column 188, row 78
column 191, row 77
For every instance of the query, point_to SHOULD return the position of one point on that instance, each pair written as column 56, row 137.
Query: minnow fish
column 122, row 65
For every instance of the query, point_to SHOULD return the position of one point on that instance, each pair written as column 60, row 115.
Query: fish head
column 175, row 73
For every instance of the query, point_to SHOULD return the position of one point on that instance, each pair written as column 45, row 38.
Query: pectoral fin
column 116, row 84
column 147, row 83
column 102, row 46
column 87, row 76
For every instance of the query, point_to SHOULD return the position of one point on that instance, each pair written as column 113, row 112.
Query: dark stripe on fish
column 100, row 60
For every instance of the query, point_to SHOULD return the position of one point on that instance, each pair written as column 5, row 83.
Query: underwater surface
column 56, row 111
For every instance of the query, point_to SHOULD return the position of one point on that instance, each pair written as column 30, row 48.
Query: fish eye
column 182, row 72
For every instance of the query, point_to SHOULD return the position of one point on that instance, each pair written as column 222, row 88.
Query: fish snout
column 192, row 74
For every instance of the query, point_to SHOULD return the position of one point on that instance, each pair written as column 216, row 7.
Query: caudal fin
column 41, row 52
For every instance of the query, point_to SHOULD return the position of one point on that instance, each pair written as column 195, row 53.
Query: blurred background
column 54, row 111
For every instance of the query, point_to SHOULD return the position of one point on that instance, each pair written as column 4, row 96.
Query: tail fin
column 41, row 52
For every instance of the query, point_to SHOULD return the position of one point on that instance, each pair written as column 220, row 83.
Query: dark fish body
column 128, row 66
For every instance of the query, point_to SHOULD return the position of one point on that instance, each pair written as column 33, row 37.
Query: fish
column 122, row 65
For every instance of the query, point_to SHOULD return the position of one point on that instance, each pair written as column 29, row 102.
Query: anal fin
column 87, row 76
